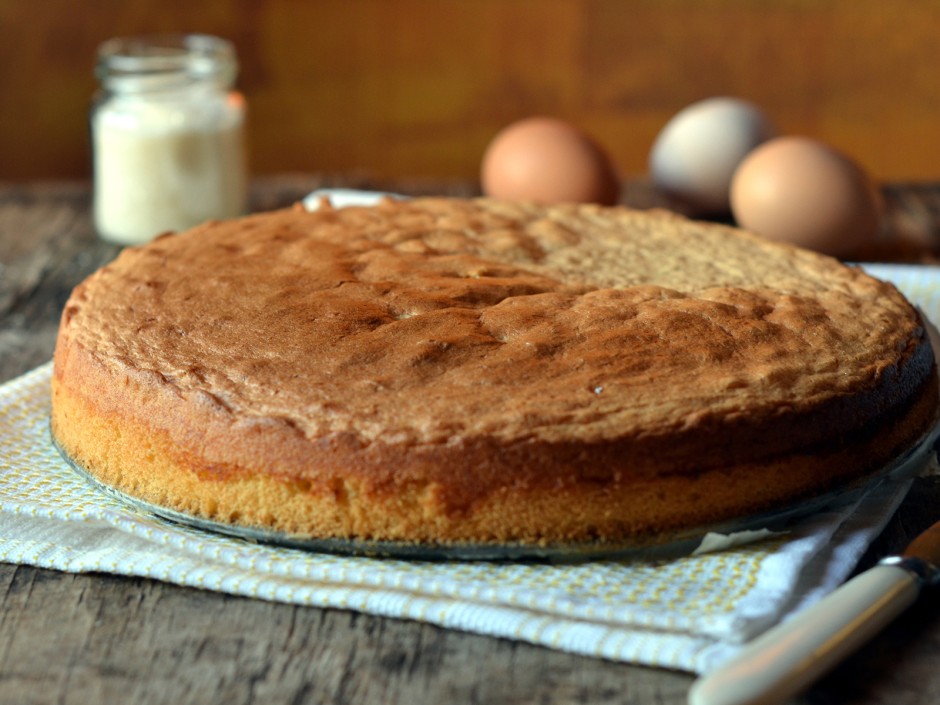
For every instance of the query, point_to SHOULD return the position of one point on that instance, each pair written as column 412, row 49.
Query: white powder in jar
column 168, row 144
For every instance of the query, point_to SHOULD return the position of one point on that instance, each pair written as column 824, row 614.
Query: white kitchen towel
column 688, row 613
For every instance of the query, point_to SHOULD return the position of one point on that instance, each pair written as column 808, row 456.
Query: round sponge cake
column 475, row 371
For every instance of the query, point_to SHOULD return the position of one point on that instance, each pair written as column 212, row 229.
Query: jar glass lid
column 160, row 60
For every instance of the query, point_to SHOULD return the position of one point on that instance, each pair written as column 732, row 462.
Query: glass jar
column 167, row 136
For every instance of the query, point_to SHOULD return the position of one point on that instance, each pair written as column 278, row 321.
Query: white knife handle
column 789, row 657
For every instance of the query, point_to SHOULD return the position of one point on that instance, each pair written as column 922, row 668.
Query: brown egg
column 548, row 161
column 801, row 191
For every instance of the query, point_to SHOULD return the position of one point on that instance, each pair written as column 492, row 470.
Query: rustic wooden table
column 103, row 639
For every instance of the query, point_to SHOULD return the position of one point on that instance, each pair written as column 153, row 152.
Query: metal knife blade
column 926, row 548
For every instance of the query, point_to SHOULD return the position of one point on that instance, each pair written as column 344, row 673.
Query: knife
column 789, row 657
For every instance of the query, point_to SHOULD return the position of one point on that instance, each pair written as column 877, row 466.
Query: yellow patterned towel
column 689, row 613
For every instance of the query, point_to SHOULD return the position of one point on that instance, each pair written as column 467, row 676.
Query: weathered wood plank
column 91, row 638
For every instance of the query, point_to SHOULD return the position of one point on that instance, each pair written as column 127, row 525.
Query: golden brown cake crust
column 450, row 370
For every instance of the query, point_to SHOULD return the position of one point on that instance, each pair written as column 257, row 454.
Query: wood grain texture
column 400, row 88
column 75, row 639
column 121, row 640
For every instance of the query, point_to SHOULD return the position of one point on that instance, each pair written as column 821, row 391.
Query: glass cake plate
column 660, row 546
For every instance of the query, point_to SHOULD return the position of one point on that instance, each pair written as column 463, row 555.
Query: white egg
column 695, row 155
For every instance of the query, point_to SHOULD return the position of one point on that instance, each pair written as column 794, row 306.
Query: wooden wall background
column 416, row 88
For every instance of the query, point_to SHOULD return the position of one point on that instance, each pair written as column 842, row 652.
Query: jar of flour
column 167, row 133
